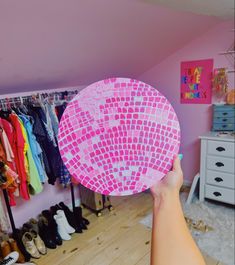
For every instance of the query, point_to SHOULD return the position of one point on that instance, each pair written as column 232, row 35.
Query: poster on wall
column 196, row 82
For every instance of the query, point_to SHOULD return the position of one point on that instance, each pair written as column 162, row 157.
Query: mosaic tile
column 119, row 136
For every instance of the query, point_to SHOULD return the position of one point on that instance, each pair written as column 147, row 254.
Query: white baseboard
column 187, row 183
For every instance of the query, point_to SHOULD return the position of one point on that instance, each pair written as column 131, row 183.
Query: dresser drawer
column 220, row 179
column 221, row 148
column 224, row 114
column 221, row 164
column 220, row 194
column 223, row 120
column 223, row 127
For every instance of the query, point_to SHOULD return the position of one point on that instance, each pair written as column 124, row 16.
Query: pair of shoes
column 10, row 246
column 75, row 218
column 11, row 258
column 34, row 244
column 17, row 235
column 64, row 228
column 48, row 230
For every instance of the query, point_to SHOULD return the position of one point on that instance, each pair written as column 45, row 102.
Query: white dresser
column 217, row 169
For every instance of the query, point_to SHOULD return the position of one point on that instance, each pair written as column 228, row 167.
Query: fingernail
column 180, row 156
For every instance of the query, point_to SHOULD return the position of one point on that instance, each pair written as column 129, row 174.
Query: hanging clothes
column 65, row 178
column 19, row 149
column 35, row 147
column 33, row 180
column 51, row 151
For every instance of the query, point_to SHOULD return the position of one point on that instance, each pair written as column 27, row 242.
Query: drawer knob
column 219, row 164
column 225, row 113
column 224, row 126
column 225, row 119
column 217, row 194
column 220, row 149
column 219, row 179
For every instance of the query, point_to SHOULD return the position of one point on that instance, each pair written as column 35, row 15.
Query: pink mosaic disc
column 119, row 136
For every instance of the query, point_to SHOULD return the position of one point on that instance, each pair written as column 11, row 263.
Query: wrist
column 166, row 197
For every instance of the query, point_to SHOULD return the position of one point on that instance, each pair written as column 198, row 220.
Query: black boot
column 70, row 216
column 17, row 235
column 45, row 232
column 53, row 227
column 80, row 220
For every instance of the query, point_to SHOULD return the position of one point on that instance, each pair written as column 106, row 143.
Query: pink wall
column 195, row 119
column 51, row 195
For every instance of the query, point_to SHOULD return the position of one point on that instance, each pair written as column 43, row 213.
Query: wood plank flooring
column 115, row 238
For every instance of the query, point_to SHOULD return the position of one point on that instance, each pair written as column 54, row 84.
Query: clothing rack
column 14, row 101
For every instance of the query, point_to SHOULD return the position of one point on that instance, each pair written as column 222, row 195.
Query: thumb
column 177, row 164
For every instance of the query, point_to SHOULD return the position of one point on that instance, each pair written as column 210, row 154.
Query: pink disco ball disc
column 119, row 136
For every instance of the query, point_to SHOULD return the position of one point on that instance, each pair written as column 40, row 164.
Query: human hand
column 171, row 183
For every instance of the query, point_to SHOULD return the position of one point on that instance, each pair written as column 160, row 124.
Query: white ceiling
column 223, row 9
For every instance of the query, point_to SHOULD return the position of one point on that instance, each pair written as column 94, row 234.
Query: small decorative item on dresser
column 217, row 167
column 223, row 118
column 231, row 97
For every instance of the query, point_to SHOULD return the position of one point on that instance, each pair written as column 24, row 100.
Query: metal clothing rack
column 9, row 211
column 7, row 103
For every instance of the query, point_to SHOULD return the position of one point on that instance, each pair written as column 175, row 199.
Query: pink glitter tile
column 116, row 131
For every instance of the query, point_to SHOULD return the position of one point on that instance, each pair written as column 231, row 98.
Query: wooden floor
column 116, row 238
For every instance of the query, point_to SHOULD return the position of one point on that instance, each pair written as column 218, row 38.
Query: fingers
column 177, row 165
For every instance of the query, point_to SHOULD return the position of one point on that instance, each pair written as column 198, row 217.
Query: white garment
column 4, row 223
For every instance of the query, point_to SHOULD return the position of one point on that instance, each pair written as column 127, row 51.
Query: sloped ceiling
column 223, row 9
column 54, row 43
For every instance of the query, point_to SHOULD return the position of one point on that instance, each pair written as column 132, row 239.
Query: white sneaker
column 10, row 259
column 68, row 227
column 26, row 263
column 61, row 229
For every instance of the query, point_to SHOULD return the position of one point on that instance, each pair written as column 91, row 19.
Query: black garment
column 51, row 154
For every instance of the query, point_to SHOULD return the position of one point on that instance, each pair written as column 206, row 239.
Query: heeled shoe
column 71, row 218
column 69, row 229
column 53, row 227
column 45, row 233
column 61, row 229
column 79, row 218
column 14, row 247
column 28, row 242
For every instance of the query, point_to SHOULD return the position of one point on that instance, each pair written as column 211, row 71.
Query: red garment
column 7, row 127
column 19, row 153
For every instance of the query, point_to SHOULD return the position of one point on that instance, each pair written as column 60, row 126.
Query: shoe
column 69, row 229
column 17, row 235
column 26, row 227
column 11, row 258
column 28, row 242
column 53, row 227
column 38, row 242
column 5, row 248
column 61, row 229
column 80, row 220
column 69, row 214
column 14, row 247
column 34, row 223
column 45, row 233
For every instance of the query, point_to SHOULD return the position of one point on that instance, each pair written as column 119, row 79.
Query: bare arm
column 172, row 243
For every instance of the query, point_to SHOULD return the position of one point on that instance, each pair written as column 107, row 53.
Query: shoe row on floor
column 50, row 230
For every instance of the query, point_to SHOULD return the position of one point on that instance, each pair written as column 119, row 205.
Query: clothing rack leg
column 72, row 196
column 9, row 211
